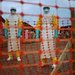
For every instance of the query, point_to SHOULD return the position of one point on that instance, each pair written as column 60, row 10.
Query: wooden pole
column 61, row 58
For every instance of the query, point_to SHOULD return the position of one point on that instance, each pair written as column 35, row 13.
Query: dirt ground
column 30, row 59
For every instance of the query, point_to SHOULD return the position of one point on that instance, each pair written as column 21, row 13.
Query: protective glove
column 55, row 33
column 37, row 33
column 6, row 33
column 19, row 32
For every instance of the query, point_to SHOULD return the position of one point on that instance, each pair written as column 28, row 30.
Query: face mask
column 13, row 12
column 46, row 11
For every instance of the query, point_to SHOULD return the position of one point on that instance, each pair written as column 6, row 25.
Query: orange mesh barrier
column 32, row 48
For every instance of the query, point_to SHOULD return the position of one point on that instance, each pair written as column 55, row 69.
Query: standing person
column 12, row 31
column 47, row 34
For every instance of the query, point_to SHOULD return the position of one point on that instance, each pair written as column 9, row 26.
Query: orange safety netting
column 30, row 47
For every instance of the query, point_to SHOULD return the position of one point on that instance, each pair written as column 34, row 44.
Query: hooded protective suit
column 13, row 31
column 47, row 34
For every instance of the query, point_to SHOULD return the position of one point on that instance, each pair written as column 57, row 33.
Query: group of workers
column 46, row 27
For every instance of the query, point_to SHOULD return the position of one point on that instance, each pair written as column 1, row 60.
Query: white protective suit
column 12, row 25
column 47, row 34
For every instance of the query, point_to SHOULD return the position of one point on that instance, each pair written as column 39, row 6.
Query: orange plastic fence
column 30, row 53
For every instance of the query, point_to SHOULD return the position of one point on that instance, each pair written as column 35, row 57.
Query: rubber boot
column 54, row 60
column 18, row 55
column 10, row 57
column 44, row 61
